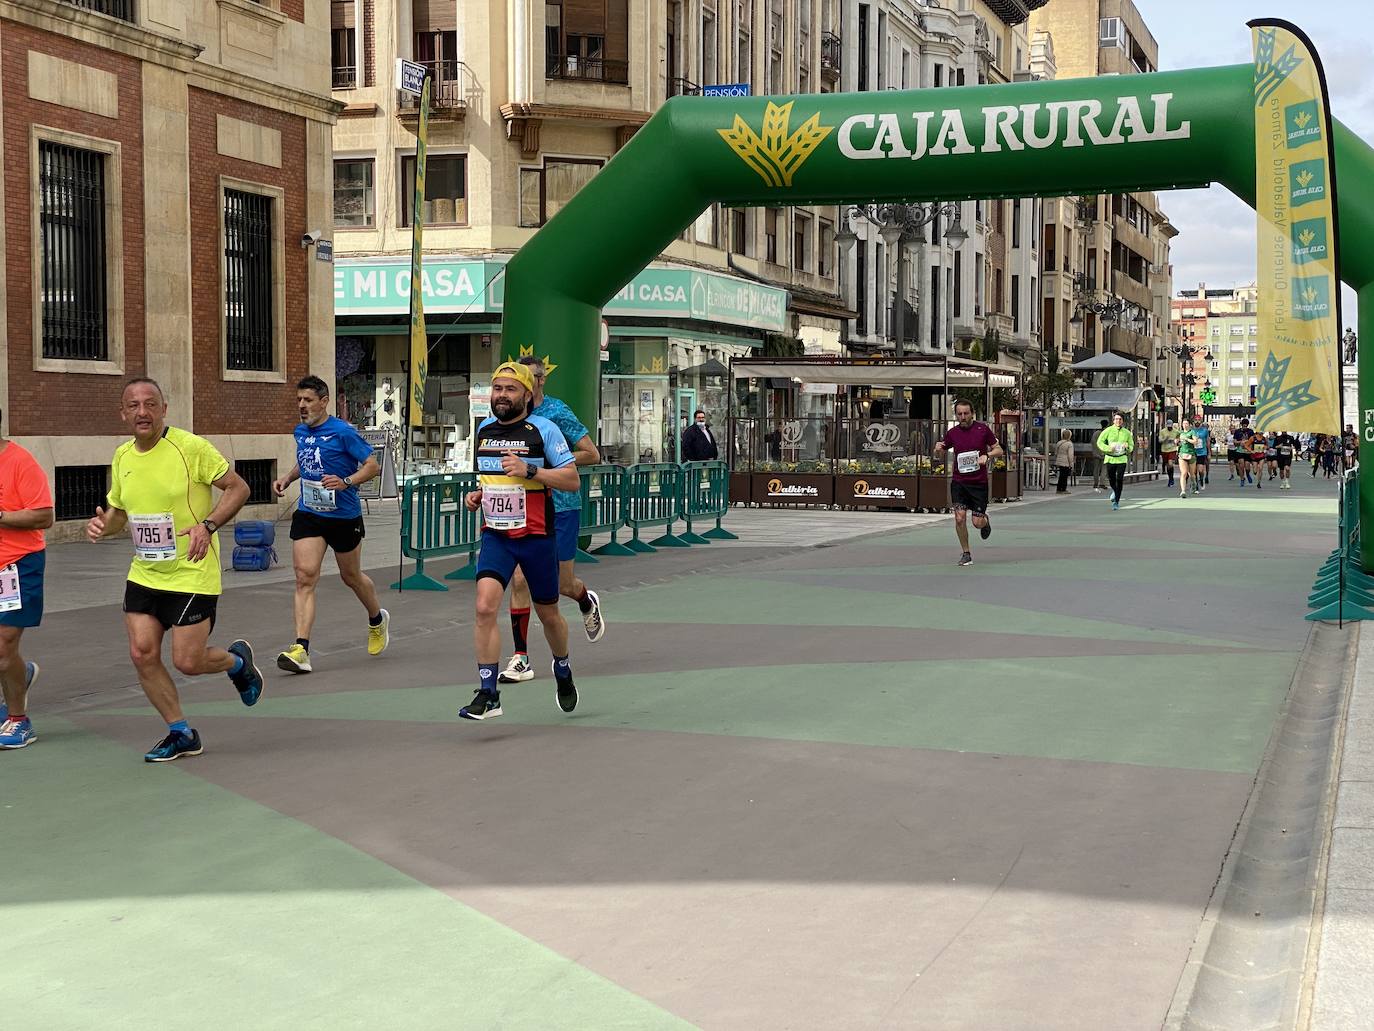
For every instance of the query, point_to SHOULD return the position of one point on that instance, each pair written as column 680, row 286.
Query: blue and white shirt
column 558, row 413
column 333, row 448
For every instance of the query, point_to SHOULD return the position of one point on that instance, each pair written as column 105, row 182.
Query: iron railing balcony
column 831, row 46
column 345, row 76
column 680, row 87
column 591, row 69
column 447, row 90
column 121, row 9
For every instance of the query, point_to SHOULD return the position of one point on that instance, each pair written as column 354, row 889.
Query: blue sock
column 180, row 727
column 486, row 677
column 561, row 667
column 237, row 667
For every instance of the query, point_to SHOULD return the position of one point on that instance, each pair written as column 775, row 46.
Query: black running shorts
column 971, row 496
column 170, row 608
column 343, row 535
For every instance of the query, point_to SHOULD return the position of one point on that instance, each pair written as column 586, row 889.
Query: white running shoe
column 518, row 671
column 592, row 621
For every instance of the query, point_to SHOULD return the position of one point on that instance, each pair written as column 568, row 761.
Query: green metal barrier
column 436, row 524
column 603, row 509
column 706, row 495
column 1343, row 591
column 653, row 497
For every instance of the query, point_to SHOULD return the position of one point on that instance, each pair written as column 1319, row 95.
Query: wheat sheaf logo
column 1306, row 237
column 776, row 154
column 1305, row 178
column 1309, row 295
column 1270, row 71
column 1273, row 399
column 1302, row 119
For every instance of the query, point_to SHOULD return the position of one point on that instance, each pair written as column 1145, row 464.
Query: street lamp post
column 1185, row 353
column 900, row 224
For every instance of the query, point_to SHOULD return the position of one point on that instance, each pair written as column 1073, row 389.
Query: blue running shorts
column 537, row 558
column 566, row 525
column 30, row 612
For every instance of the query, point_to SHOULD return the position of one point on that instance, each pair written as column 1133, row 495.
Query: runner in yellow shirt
column 160, row 488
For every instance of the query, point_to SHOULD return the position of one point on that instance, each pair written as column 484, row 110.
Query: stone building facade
column 162, row 162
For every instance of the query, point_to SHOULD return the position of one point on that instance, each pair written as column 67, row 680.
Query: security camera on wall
column 312, row 237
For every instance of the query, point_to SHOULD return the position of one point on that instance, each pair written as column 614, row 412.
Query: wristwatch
column 530, row 470
column 209, row 524
column 348, row 481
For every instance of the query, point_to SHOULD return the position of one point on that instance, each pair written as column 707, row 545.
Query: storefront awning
column 868, row 375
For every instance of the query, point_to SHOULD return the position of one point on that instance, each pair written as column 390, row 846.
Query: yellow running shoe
column 295, row 659
column 379, row 636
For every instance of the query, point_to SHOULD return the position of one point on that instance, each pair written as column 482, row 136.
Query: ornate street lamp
column 898, row 225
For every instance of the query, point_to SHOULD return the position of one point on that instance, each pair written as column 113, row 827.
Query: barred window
column 71, row 185
column 248, row 321
column 78, row 489
column 258, row 473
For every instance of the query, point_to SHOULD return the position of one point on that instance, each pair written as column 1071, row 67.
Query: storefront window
column 636, row 402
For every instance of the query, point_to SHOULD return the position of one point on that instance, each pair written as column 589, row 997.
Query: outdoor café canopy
column 852, row 372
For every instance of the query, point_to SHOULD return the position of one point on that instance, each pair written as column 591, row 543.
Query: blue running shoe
column 249, row 679
column 30, row 675
column 173, row 747
column 1115, row 506
column 17, row 734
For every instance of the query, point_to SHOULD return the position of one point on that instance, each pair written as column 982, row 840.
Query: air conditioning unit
column 1111, row 33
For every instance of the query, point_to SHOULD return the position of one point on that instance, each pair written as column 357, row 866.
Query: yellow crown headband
column 514, row 370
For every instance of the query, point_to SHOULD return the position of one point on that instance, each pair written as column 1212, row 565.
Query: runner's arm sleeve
column 358, row 449
column 207, row 464
column 556, row 451
column 34, row 491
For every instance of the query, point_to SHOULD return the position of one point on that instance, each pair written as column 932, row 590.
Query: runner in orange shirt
column 25, row 511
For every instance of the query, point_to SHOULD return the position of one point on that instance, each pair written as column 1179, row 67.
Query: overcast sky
column 1216, row 241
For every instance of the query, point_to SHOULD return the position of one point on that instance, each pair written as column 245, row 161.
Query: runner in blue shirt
column 332, row 459
column 567, row 522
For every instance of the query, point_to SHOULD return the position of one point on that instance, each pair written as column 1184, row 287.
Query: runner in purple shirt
column 974, row 446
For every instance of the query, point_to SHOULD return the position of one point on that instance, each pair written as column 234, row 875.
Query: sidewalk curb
column 1249, row 965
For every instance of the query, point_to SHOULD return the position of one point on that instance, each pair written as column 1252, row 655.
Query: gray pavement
column 1343, row 999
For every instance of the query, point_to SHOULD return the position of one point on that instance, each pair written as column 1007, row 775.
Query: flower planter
column 740, row 488
column 875, row 490
column 933, row 492
column 1001, row 487
column 793, row 489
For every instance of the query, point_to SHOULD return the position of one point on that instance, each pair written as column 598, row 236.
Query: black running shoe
column 249, row 679
column 485, row 705
column 985, row 531
column 566, row 692
column 966, row 559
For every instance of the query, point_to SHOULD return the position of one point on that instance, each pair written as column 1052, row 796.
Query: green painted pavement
column 138, row 896
column 747, row 599
column 1139, row 711
column 1239, row 571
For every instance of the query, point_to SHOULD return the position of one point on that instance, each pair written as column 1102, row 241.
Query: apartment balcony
column 680, row 87
column 448, row 93
column 831, row 45
column 1129, row 342
column 121, row 9
column 587, row 69
column 345, row 76
column 1137, row 293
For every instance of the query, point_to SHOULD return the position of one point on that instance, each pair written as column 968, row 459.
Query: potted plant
column 793, row 483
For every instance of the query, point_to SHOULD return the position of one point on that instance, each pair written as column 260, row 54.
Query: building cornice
column 265, row 94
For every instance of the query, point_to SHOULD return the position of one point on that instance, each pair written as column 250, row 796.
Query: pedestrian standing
column 1116, row 444
column 1063, row 460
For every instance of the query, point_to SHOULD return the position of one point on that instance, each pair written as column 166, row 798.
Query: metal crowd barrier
column 435, row 523
column 1343, row 591
column 653, row 497
column 706, row 495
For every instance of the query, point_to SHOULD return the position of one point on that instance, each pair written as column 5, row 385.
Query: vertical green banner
column 419, row 339
column 1299, row 293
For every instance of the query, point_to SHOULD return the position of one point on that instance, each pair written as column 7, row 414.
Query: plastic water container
column 254, row 557
column 255, row 533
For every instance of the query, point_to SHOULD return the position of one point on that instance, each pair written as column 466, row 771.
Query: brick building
column 162, row 161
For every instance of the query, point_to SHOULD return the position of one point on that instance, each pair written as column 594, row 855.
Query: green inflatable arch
column 1161, row 131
